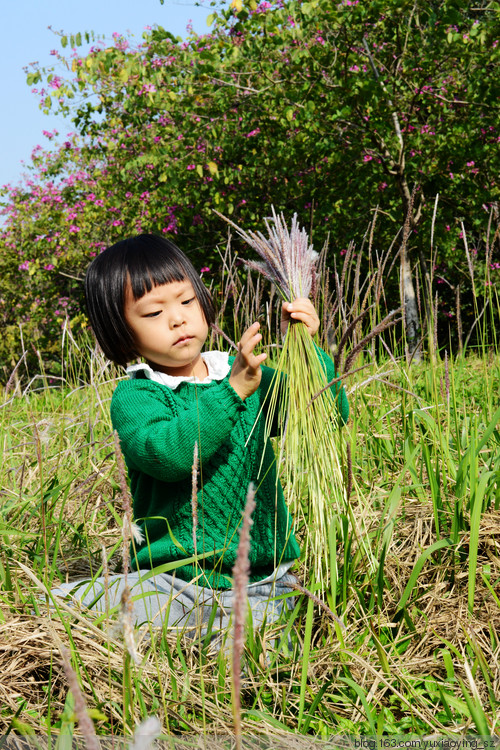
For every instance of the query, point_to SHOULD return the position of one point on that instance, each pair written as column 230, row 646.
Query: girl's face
column 169, row 328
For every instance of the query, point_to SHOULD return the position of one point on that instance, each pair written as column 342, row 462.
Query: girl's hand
column 246, row 373
column 300, row 309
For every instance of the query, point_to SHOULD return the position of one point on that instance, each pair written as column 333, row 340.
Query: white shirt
column 217, row 366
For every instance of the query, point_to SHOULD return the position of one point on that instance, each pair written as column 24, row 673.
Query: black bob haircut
column 143, row 261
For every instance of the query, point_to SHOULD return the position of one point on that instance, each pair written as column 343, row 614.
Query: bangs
column 151, row 267
column 139, row 264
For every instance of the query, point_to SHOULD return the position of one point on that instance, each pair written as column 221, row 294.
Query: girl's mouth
column 183, row 340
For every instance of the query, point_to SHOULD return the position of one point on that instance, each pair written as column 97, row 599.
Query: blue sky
column 26, row 38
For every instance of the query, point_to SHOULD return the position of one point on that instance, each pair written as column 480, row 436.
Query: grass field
column 420, row 649
column 418, row 596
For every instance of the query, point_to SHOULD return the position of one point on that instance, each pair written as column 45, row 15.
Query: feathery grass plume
column 458, row 312
column 105, row 575
column 137, row 533
column 220, row 332
column 447, row 377
column 126, row 612
column 194, row 512
column 127, row 626
column 127, row 532
column 146, row 733
column 194, row 495
column 312, row 452
column 241, row 573
column 288, row 260
column 10, row 382
column 84, row 720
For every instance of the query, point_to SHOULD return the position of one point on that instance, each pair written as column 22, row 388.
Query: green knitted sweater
column 158, row 428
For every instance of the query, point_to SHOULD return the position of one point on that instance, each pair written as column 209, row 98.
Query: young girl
column 146, row 300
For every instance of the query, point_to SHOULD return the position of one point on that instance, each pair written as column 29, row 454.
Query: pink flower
column 24, row 266
column 205, row 269
column 253, row 132
column 367, row 157
column 49, row 267
column 74, row 229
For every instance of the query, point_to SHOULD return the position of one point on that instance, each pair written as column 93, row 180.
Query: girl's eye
column 188, row 301
column 153, row 314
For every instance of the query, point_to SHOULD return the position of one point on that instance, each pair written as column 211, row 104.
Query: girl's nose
column 176, row 318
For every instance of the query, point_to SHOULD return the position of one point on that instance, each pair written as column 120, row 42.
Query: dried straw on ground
column 30, row 649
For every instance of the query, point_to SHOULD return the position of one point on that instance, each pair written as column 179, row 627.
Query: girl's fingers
column 301, row 304
column 250, row 338
column 258, row 359
column 247, row 350
column 251, row 342
column 299, row 309
column 301, row 314
column 251, row 331
column 254, row 361
column 302, row 310
column 247, row 344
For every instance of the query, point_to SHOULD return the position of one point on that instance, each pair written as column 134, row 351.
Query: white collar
column 217, row 365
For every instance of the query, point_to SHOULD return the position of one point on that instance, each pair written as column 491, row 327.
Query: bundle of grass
column 313, row 452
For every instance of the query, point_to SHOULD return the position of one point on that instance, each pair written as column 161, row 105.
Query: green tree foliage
column 324, row 109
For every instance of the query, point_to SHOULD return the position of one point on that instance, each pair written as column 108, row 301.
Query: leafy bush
column 325, row 110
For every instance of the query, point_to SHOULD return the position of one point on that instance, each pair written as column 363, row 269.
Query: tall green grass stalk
column 314, row 454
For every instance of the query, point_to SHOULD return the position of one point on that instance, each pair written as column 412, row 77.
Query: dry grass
column 31, row 668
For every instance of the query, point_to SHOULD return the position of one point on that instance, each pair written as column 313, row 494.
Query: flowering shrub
column 324, row 109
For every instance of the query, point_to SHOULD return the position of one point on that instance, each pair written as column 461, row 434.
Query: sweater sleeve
column 158, row 437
